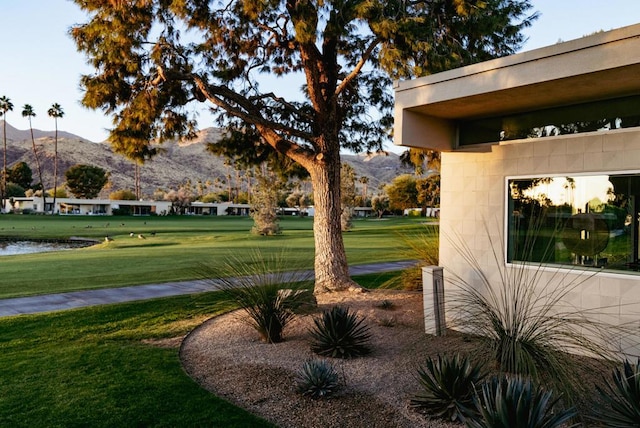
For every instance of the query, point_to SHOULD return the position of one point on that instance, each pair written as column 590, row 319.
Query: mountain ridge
column 15, row 134
column 179, row 162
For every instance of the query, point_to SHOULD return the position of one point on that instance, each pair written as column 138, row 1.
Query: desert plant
column 317, row 379
column 528, row 326
column 268, row 295
column 386, row 305
column 387, row 322
column 622, row 398
column 507, row 402
column 340, row 333
column 423, row 247
column 448, row 386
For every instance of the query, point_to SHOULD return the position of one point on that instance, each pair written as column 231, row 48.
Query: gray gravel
column 226, row 357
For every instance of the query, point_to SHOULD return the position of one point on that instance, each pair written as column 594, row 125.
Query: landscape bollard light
column 433, row 300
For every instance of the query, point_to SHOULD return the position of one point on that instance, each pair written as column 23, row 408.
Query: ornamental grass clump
column 340, row 333
column 317, row 379
column 422, row 246
column 448, row 387
column 622, row 398
column 508, row 402
column 268, row 295
column 522, row 315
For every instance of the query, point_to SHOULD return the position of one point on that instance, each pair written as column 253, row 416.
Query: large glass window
column 586, row 220
column 601, row 115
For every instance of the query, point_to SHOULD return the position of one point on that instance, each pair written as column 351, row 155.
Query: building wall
column 473, row 198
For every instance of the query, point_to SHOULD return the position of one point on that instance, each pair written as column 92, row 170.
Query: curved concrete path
column 104, row 296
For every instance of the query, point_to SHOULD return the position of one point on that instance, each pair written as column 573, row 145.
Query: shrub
column 267, row 294
column 622, row 398
column 423, row 247
column 448, row 387
column 317, row 379
column 508, row 402
column 339, row 333
column 387, row 322
column 386, row 305
column 528, row 327
column 122, row 195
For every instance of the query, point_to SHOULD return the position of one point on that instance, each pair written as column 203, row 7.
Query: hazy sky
column 40, row 65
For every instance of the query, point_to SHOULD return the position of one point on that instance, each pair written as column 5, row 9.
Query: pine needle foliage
column 150, row 78
column 508, row 402
column 622, row 398
column 317, row 379
column 340, row 333
column 269, row 295
column 448, row 387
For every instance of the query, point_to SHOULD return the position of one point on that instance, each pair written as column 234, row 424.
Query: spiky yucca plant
column 269, row 295
column 448, row 387
column 523, row 316
column 340, row 333
column 508, row 402
column 317, row 379
column 622, row 398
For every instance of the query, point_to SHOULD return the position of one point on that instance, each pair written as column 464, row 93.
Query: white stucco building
column 545, row 141
column 74, row 206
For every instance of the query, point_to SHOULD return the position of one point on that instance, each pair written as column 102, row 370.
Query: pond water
column 8, row 248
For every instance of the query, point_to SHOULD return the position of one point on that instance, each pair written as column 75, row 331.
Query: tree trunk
column 35, row 155
column 55, row 170
column 331, row 268
column 4, row 161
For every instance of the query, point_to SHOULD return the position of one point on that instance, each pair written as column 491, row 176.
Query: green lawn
column 176, row 252
column 92, row 368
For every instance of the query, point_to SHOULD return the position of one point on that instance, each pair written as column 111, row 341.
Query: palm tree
column 364, row 181
column 421, row 158
column 5, row 106
column 136, row 179
column 27, row 111
column 55, row 112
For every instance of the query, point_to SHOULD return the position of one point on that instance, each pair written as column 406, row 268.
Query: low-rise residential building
column 543, row 142
column 74, row 206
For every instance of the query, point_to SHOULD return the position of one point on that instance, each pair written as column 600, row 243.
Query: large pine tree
column 154, row 58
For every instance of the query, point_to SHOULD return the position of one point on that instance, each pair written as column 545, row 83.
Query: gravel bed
column 227, row 358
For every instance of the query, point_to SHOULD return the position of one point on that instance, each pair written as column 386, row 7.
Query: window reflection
column 575, row 220
column 603, row 115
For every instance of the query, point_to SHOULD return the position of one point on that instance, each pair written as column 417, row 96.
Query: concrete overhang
column 601, row 66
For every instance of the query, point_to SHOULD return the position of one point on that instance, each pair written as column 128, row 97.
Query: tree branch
column 356, row 70
column 282, row 102
column 250, row 114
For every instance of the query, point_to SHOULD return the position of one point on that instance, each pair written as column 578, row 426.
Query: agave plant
column 269, row 296
column 622, row 398
column 339, row 333
column 317, row 379
column 508, row 402
column 448, row 387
